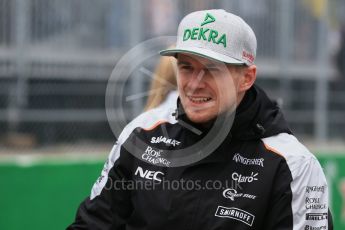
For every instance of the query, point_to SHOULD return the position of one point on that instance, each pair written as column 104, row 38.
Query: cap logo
column 248, row 56
column 205, row 34
column 208, row 19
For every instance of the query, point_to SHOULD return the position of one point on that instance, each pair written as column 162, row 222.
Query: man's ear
column 249, row 77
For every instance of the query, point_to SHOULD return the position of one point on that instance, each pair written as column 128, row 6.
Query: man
column 268, row 180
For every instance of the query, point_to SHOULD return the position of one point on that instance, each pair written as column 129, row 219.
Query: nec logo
column 147, row 174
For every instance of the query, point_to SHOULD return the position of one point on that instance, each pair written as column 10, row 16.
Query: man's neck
column 240, row 98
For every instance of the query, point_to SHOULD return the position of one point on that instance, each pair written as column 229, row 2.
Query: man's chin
column 199, row 117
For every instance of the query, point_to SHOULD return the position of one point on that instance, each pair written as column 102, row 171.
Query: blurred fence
column 56, row 57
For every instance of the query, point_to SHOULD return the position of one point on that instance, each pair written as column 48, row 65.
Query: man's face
column 207, row 88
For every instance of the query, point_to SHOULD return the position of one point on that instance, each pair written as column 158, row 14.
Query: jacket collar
column 256, row 117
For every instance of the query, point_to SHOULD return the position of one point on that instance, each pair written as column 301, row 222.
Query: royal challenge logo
column 154, row 156
column 205, row 34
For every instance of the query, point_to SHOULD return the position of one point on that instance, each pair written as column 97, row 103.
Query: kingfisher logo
column 315, row 189
column 247, row 161
column 202, row 33
column 150, row 175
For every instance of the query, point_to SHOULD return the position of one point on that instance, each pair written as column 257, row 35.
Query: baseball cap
column 215, row 34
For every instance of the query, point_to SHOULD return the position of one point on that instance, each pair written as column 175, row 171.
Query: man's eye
column 186, row 68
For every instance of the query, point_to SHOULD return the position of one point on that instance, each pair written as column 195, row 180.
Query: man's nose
column 197, row 80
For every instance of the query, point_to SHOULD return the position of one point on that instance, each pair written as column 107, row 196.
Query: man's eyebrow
column 211, row 65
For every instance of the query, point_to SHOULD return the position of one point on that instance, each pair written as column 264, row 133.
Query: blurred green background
column 44, row 195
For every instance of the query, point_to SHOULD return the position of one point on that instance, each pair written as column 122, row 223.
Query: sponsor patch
column 154, row 156
column 314, row 203
column 167, row 141
column 205, row 34
column 315, row 189
column 248, row 161
column 105, row 171
column 316, row 216
column 148, row 174
column 309, row 227
column 244, row 179
column 236, row 214
column 248, row 56
column 231, row 194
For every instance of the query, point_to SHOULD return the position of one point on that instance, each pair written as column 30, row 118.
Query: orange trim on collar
column 273, row 150
column 155, row 125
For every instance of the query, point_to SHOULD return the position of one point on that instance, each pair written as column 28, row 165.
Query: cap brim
column 205, row 53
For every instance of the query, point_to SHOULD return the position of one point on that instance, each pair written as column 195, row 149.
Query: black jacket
column 258, row 177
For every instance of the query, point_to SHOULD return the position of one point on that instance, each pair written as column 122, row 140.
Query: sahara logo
column 167, row 141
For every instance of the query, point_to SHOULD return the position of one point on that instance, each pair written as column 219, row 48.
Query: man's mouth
column 199, row 100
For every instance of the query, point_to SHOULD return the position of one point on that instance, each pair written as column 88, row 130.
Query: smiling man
column 208, row 88
column 257, row 176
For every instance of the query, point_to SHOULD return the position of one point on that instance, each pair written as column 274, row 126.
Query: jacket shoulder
column 148, row 121
column 288, row 147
